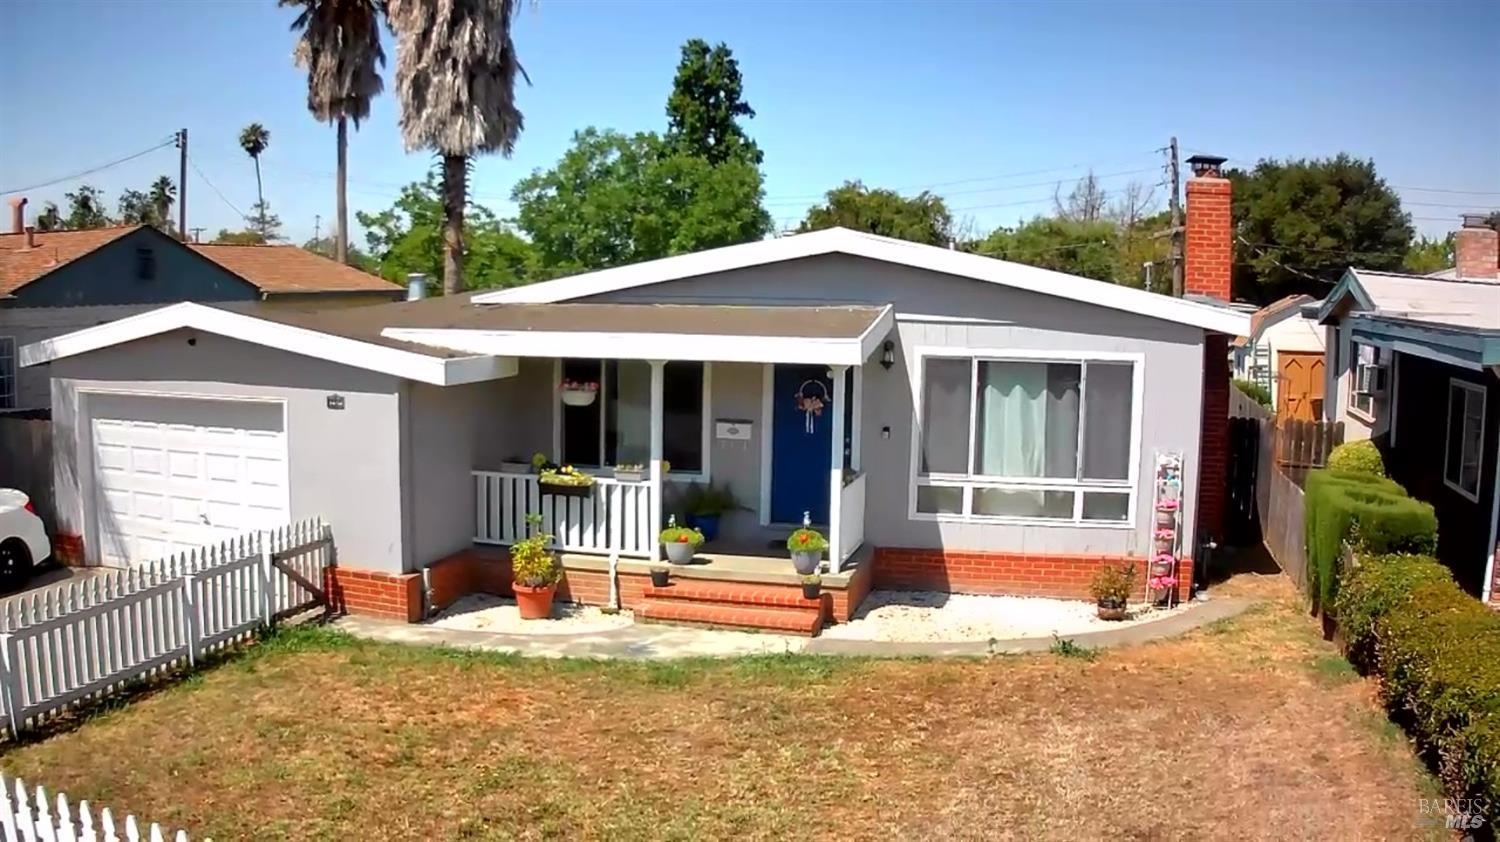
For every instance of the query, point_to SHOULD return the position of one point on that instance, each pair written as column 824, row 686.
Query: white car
column 23, row 540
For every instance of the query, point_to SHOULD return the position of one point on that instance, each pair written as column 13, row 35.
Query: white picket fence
column 86, row 640
column 31, row 820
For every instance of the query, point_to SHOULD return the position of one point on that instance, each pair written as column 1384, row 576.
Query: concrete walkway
column 658, row 642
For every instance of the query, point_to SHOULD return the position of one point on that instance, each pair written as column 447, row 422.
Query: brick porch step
column 733, row 605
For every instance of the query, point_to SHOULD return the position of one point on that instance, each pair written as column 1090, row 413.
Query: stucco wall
column 344, row 465
column 445, row 428
column 941, row 310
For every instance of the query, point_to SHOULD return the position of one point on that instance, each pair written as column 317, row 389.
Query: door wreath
column 812, row 399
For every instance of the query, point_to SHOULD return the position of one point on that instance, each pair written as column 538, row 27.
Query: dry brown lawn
column 1252, row 728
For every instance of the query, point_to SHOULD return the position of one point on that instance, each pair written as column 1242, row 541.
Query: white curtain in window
column 1028, row 420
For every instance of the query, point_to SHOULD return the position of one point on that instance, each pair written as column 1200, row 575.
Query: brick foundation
column 1011, row 574
column 390, row 595
column 67, row 550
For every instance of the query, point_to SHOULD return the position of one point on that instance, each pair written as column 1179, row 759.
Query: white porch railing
column 614, row 518
column 851, row 525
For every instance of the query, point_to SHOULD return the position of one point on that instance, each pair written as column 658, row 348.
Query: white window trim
column 12, row 374
column 1354, row 363
column 1130, row 484
column 704, row 475
column 1480, row 390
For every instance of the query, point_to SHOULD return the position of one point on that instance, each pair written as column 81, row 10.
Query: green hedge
column 1371, row 513
column 1260, row 394
column 1437, row 652
column 1357, row 457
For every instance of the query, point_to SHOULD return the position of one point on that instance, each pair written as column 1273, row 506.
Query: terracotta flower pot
column 535, row 603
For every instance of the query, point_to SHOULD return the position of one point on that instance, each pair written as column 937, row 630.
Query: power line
column 1278, row 263
column 783, row 202
column 217, row 191
column 1445, row 190
column 91, row 170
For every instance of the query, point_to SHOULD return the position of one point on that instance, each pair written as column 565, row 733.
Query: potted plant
column 566, row 481
column 540, row 462
column 681, row 542
column 1111, row 589
column 630, row 472
column 806, row 546
column 812, row 586
column 659, row 576
column 535, row 572
column 705, row 504
column 579, row 392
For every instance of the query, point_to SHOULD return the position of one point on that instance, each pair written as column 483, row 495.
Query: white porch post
column 658, row 381
column 836, row 470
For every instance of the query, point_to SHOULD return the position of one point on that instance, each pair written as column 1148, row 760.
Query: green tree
column 86, row 208
column 340, row 49
column 706, row 103
column 1428, row 254
column 1088, row 249
column 247, row 237
column 456, row 70
column 1300, row 224
column 163, row 195
column 615, row 199
column 358, row 259
column 50, row 219
column 408, row 237
column 254, row 139
column 135, row 208
column 923, row 218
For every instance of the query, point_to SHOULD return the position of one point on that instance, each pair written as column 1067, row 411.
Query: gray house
column 951, row 421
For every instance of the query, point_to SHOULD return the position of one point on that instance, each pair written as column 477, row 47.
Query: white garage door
column 173, row 473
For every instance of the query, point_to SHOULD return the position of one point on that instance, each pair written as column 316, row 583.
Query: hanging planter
column 579, row 392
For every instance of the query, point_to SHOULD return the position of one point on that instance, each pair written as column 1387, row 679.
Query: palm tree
column 162, row 194
column 456, row 71
column 254, row 139
column 340, row 50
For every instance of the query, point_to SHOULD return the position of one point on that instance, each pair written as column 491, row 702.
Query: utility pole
column 1176, row 220
column 317, row 228
column 182, row 229
column 196, row 233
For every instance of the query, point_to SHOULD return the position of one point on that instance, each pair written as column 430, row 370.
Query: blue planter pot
column 707, row 524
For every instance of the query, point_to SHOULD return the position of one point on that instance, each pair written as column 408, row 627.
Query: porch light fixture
column 888, row 354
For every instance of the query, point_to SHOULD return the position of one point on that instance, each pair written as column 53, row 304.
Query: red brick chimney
column 1210, row 253
column 17, row 214
column 1476, row 249
column 1208, row 259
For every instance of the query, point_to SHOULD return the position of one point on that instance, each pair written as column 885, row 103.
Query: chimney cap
column 1206, row 166
column 1476, row 220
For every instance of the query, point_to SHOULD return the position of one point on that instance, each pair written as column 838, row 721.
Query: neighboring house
column 1284, row 354
column 1414, row 363
column 952, row 422
column 55, row 282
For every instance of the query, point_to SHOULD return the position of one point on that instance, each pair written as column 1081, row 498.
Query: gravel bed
column 932, row 616
column 483, row 612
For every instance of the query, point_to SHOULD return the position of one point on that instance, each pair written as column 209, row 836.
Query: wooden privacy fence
column 1283, row 527
column 84, row 641
column 37, row 819
column 26, row 460
column 1304, row 445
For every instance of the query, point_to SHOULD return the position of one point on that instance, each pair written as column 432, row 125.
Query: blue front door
column 801, row 432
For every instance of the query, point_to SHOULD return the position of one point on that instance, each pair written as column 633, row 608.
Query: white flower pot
column 579, row 397
column 679, row 552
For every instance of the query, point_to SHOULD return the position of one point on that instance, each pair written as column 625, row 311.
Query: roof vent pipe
column 416, row 286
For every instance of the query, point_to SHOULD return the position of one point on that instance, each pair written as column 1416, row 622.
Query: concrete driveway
column 53, row 577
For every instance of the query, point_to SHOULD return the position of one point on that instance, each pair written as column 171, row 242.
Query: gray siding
column 941, row 310
column 345, row 465
column 33, row 324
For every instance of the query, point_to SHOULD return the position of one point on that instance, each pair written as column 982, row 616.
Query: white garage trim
column 89, row 486
column 439, row 371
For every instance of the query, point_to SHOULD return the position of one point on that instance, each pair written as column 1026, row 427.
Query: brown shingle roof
column 292, row 269
column 20, row 265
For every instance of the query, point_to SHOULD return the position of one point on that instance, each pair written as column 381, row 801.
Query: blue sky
column 990, row 102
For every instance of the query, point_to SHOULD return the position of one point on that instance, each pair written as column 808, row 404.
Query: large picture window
column 1023, row 438
column 1464, row 452
column 616, row 428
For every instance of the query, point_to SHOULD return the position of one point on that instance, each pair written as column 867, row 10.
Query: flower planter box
column 557, row 490
column 630, row 476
